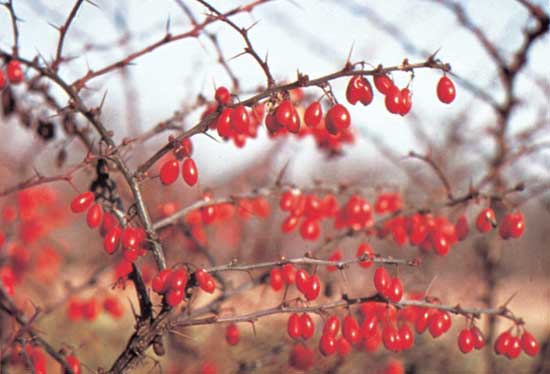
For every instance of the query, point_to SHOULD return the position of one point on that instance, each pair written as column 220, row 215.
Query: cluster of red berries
column 85, row 201
column 511, row 346
column 308, row 284
column 243, row 208
column 356, row 213
column 14, row 73
column 7, row 279
column 386, row 285
column 512, row 225
column 236, row 123
column 426, row 231
column 397, row 101
column 89, row 309
column 232, row 334
column 470, row 338
column 38, row 359
column 170, row 169
column 171, row 283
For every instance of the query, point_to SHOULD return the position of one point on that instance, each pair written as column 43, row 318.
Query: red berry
column 294, row 326
column 160, row 281
column 406, row 336
column 313, row 114
column 284, row 112
column 290, row 223
column 362, row 250
column 313, row 288
column 169, row 172
column 406, row 101
column 382, row 281
column 446, row 90
column 395, row 292
column 302, row 280
column 74, row 364
column 240, row 120
column 223, row 123
column 331, row 326
column 178, row 279
column 294, row 125
column 359, row 89
column 479, row 339
column 529, row 344
column 336, row 256
column 391, row 338
column 81, row 202
column 343, row 347
column 307, row 326
column 466, row 341
column 174, row 297
column 393, row 100
column 502, row 344
column 337, row 119
column 189, row 171
column 113, row 306
column 301, row 357
column 394, row 367
column 2, row 80
column 327, row 345
column 351, row 330
column 112, row 239
column 276, row 279
column 440, row 243
column 289, row 273
column 288, row 200
column 310, row 229
column 383, row 83
column 486, row 220
column 232, row 334
column 15, row 73
column 512, row 226
column 94, row 216
column 369, row 326
column 439, row 323
column 132, row 237
column 90, row 309
column 205, row 280
column 461, row 228
column 222, row 95
column 514, row 348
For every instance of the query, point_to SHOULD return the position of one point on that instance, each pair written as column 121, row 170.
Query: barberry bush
column 273, row 222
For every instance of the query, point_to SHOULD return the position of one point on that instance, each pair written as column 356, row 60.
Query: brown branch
column 167, row 39
column 347, row 302
column 442, row 177
column 15, row 30
column 63, row 30
column 302, row 81
column 249, row 49
column 9, row 307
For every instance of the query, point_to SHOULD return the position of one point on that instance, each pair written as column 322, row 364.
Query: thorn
column 211, row 137
column 430, row 285
column 282, row 173
column 168, row 22
column 93, row 4
column 251, row 26
column 238, row 55
column 102, row 101
column 349, row 54
column 58, row 28
column 432, row 56
column 509, row 299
